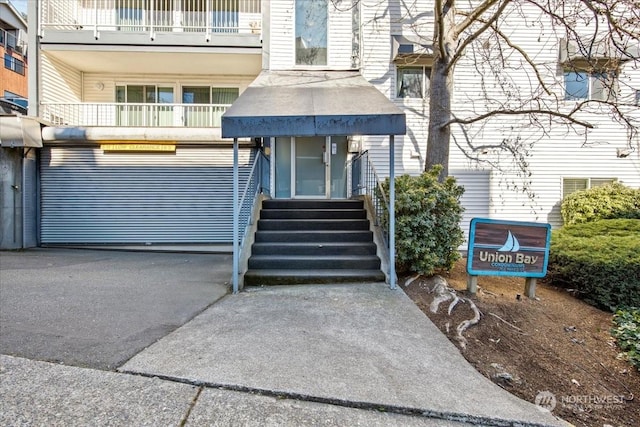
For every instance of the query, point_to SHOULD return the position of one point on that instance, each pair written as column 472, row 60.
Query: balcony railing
column 10, row 41
column 134, row 115
column 204, row 16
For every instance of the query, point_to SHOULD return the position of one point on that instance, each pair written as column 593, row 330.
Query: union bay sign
column 508, row 248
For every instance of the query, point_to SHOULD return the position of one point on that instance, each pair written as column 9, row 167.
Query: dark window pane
column 196, row 95
column 410, row 82
column 135, row 94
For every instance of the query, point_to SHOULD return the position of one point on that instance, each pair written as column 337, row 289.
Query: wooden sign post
column 507, row 248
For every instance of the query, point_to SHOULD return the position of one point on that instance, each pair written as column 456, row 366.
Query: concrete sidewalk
column 355, row 345
column 331, row 355
column 40, row 393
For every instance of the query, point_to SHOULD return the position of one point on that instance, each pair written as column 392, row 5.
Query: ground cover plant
column 626, row 330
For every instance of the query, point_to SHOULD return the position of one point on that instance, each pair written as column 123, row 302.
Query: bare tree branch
column 475, row 35
column 569, row 117
column 474, row 15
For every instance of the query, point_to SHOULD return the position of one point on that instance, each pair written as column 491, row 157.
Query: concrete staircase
column 313, row 241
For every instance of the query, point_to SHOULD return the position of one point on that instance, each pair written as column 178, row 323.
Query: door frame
column 327, row 168
column 326, row 160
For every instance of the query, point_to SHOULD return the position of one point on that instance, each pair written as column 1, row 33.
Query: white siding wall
column 377, row 69
column 61, row 83
column 282, row 38
column 552, row 155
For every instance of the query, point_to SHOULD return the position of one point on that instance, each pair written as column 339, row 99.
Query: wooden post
column 530, row 287
column 472, row 284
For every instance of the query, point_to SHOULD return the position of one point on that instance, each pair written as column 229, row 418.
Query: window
column 571, row 185
column 637, row 97
column 412, row 82
column 13, row 64
column 311, row 32
column 209, row 104
column 583, row 85
column 143, row 112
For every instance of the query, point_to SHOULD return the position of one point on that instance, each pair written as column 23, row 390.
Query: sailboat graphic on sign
column 511, row 244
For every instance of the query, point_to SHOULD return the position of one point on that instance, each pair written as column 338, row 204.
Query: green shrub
column 626, row 331
column 601, row 260
column 428, row 215
column 606, row 202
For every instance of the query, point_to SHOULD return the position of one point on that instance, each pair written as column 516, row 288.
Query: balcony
column 134, row 115
column 10, row 42
column 207, row 17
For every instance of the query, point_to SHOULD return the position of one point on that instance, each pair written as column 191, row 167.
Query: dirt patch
column 554, row 348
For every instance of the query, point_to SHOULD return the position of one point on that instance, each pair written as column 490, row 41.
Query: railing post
column 236, row 214
column 392, row 214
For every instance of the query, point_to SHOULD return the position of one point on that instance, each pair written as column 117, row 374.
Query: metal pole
column 236, row 214
column 392, row 214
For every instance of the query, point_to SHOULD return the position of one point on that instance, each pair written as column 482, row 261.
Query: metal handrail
column 253, row 185
column 366, row 182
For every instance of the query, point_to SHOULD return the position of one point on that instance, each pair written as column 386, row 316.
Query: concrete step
column 300, row 277
column 313, row 214
column 313, row 224
column 312, row 204
column 313, row 236
column 316, row 249
column 311, row 262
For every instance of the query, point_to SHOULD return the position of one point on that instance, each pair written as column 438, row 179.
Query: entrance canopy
column 312, row 103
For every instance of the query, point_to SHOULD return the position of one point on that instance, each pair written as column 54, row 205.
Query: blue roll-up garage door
column 93, row 197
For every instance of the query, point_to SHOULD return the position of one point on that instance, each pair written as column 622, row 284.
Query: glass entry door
column 310, row 166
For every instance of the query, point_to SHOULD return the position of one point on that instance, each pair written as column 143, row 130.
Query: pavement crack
column 187, row 414
column 395, row 409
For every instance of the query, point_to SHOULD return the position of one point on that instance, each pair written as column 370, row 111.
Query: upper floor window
column 209, row 95
column 217, row 99
column 412, row 82
column 13, row 64
column 584, row 85
column 311, row 32
column 147, row 94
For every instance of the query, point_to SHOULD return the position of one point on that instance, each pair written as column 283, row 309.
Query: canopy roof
column 312, row 103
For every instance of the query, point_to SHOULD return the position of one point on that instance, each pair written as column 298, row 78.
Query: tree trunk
column 440, row 92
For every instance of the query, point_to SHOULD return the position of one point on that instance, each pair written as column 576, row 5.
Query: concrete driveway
column 95, row 308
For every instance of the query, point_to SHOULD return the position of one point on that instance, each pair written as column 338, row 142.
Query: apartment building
column 132, row 93
column 141, row 101
column 13, row 43
column 17, row 156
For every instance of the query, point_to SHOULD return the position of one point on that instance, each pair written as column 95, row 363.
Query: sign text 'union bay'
column 508, row 248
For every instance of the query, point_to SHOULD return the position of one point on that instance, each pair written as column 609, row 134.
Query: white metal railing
column 130, row 114
column 205, row 16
